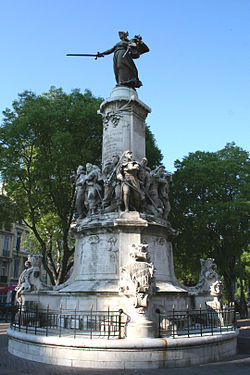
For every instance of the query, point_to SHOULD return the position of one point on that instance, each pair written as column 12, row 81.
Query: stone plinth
column 102, row 250
column 144, row 353
column 123, row 124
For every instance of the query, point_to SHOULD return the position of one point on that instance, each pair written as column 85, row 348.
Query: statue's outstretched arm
column 108, row 52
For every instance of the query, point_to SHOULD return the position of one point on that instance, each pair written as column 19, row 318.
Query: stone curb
column 143, row 343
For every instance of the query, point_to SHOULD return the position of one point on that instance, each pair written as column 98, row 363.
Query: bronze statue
column 93, row 188
column 125, row 51
column 80, row 192
column 130, row 187
column 159, row 189
column 112, row 187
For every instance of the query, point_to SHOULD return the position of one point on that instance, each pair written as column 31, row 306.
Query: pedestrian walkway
column 237, row 365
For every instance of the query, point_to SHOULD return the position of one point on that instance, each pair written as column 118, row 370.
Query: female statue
column 125, row 51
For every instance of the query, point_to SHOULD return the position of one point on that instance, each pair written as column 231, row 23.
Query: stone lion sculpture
column 29, row 279
column 208, row 277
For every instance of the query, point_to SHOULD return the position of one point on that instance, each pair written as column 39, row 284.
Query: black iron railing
column 89, row 324
column 189, row 323
column 7, row 312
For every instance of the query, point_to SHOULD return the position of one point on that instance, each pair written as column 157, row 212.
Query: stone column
column 123, row 124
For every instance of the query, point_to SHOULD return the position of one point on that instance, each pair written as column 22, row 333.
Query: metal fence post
column 159, row 323
column 26, row 316
column 20, row 316
column 47, row 320
column 36, row 317
column 221, row 317
column 234, row 317
column 60, row 321
column 75, row 324
column 91, row 326
column 212, row 320
column 173, row 328
column 120, row 323
column 188, row 319
column 108, row 323
column 200, row 321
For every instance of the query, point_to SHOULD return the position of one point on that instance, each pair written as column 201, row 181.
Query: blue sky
column 196, row 78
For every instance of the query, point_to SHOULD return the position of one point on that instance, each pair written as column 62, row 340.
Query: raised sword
column 86, row 55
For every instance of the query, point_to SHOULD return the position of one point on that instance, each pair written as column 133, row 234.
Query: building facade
column 13, row 256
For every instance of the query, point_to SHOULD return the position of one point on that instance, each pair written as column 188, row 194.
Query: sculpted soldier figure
column 145, row 181
column 112, row 189
column 163, row 192
column 158, row 191
column 144, row 174
column 92, row 199
column 128, row 173
column 156, row 180
column 80, row 190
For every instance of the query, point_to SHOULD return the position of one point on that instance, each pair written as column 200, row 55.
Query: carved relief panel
column 99, row 256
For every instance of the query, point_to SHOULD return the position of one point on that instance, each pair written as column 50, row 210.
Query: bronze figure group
column 123, row 185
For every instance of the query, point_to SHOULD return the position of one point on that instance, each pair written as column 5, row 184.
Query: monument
column 123, row 254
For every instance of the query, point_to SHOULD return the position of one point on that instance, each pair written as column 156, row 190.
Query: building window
column 16, row 268
column 6, row 246
column 3, row 276
column 3, row 269
column 18, row 241
column 3, row 298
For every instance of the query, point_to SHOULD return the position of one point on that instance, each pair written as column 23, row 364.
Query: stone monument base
column 147, row 353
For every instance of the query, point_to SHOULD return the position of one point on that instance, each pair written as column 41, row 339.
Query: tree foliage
column 43, row 139
column 244, row 273
column 153, row 153
column 210, row 208
column 7, row 211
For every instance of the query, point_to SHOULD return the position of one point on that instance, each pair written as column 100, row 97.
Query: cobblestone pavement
column 237, row 365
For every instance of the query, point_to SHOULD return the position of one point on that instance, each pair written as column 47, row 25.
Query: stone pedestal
column 141, row 327
column 102, row 252
column 123, row 124
column 123, row 260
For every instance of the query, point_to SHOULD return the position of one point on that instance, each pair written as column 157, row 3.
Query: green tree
column 243, row 275
column 43, row 139
column 210, row 208
column 7, row 211
column 245, row 261
column 153, row 153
